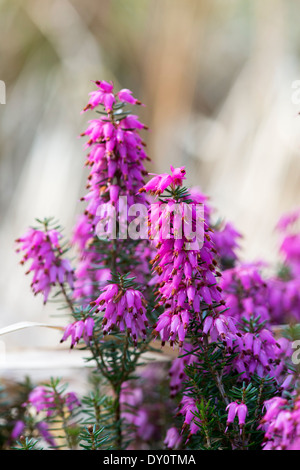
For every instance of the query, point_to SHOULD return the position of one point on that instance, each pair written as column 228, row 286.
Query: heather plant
column 154, row 271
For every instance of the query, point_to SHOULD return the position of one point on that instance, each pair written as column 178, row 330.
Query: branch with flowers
column 170, row 277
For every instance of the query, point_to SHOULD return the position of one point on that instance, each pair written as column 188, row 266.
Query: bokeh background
column 219, row 81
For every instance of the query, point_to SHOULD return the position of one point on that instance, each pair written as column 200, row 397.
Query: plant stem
column 218, row 381
column 67, row 298
column 61, row 413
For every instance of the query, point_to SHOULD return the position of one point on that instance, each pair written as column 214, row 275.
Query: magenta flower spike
column 79, row 329
column 115, row 159
column 281, row 424
column 44, row 399
column 187, row 278
column 220, row 313
column 123, row 309
column 48, row 266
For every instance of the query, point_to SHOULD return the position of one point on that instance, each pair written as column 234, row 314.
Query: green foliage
column 213, row 388
column 92, row 438
column 25, row 443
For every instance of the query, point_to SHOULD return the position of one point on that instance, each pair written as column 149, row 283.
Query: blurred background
column 220, row 82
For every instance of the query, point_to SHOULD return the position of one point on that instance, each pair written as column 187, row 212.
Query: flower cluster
column 124, row 309
column 226, row 239
column 43, row 399
column 245, row 292
column 136, row 413
column 225, row 236
column 188, row 408
column 48, row 266
column 290, row 243
column 142, row 405
column 284, row 287
column 41, row 427
column 236, row 409
column 256, row 348
column 281, row 424
column 173, row 438
column 104, row 95
column 115, row 157
column 194, row 291
column 157, row 185
column 283, row 300
column 79, row 329
column 185, row 263
column 177, row 370
column 116, row 152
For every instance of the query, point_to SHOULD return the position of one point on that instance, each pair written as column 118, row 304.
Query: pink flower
column 123, row 309
column 41, row 399
column 18, row 429
column 125, row 95
column 136, row 412
column 48, row 267
column 79, row 329
column 281, row 424
column 236, row 409
column 44, row 399
column 173, row 439
column 102, row 96
column 115, row 159
column 187, row 278
column 159, row 183
column 178, row 175
column 242, row 412
column 188, row 408
column 232, row 409
column 288, row 219
column 43, row 429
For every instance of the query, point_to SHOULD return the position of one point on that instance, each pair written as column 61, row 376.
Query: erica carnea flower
column 226, row 239
column 184, row 265
column 142, row 405
column 245, row 292
column 116, row 155
column 45, row 406
column 159, row 183
column 177, row 370
column 41, row 399
column 188, row 408
column 225, row 236
column 41, row 427
column 288, row 226
column 87, row 277
column 18, row 428
column 173, row 438
column 124, row 309
column 136, row 412
column 79, row 329
column 44, row 430
column 237, row 409
column 281, row 424
column 44, row 399
column 284, row 287
column 283, row 300
column 104, row 95
column 257, row 350
column 48, row 266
